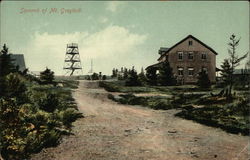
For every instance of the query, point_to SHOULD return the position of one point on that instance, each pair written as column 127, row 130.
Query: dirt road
column 112, row 131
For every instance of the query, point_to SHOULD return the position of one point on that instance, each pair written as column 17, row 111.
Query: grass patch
column 232, row 117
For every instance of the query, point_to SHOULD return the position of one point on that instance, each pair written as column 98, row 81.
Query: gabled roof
column 190, row 36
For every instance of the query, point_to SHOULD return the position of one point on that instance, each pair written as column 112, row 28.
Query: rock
column 172, row 131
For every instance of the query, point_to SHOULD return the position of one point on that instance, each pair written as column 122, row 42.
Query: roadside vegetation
column 34, row 112
column 224, row 104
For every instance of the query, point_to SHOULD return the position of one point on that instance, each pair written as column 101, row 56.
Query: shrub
column 132, row 79
column 49, row 102
column 109, row 86
column 151, row 76
column 14, row 86
column 94, row 76
column 13, row 130
column 203, row 80
column 166, row 76
column 47, row 76
column 68, row 116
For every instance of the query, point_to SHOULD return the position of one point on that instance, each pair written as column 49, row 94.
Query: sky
column 117, row 34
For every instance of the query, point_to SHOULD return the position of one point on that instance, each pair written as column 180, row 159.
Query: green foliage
column 12, row 130
column 47, row 76
column 109, row 86
column 94, row 76
column 15, row 86
column 142, row 78
column 203, row 80
column 234, row 59
column 151, row 76
column 226, row 71
column 132, row 79
column 166, row 76
column 6, row 63
column 6, row 67
column 104, row 77
column 49, row 102
column 68, row 116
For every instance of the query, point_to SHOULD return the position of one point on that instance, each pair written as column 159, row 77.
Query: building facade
column 187, row 58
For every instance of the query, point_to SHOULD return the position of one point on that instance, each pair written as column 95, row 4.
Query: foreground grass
column 198, row 105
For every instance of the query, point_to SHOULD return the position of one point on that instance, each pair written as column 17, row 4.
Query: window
column 190, row 55
column 190, row 43
column 203, row 56
column 180, row 71
column 190, row 71
column 180, row 55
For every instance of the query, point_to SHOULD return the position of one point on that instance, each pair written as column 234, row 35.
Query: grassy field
column 194, row 103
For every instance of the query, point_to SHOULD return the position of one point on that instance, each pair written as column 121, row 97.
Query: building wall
column 197, row 63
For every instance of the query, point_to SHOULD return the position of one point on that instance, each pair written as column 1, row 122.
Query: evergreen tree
column 94, row 76
column 225, row 72
column 132, row 78
column 114, row 73
column 47, row 76
column 203, row 80
column 142, row 78
column 234, row 59
column 165, row 76
column 125, row 74
column 151, row 76
column 6, row 67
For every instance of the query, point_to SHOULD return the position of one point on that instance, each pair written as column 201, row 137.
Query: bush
column 47, row 77
column 68, row 116
column 109, row 86
column 203, row 80
column 132, row 79
column 231, row 117
column 14, row 86
column 49, row 102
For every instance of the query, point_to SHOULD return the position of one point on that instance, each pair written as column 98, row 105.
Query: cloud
column 111, row 43
column 113, row 6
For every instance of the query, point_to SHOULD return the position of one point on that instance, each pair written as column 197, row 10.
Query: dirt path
column 112, row 131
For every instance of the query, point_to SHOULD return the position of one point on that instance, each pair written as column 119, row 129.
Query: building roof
column 157, row 65
column 18, row 60
column 162, row 49
column 241, row 71
column 189, row 36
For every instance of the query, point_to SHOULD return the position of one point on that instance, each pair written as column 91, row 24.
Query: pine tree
column 125, row 74
column 6, row 62
column 165, row 76
column 151, row 76
column 142, row 78
column 203, row 80
column 225, row 72
column 234, row 59
column 6, row 67
column 132, row 78
column 47, row 76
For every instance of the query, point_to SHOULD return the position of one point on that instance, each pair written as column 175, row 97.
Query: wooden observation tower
column 72, row 62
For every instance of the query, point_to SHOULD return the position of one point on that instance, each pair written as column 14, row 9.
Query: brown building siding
column 191, row 66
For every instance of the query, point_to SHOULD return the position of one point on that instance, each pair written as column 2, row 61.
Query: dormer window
column 190, row 43
column 180, row 55
column 203, row 56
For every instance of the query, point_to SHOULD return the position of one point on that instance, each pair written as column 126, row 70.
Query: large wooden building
column 187, row 58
